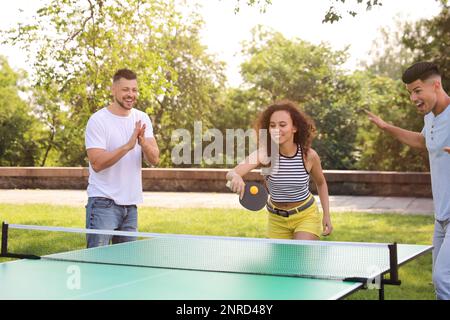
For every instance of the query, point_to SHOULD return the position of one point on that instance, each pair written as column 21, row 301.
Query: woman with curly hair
column 293, row 212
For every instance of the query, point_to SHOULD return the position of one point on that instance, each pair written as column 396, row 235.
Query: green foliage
column 76, row 46
column 197, row 86
column 311, row 75
column 281, row 68
column 377, row 150
column 79, row 45
column 430, row 38
column 235, row 112
column 333, row 14
column 335, row 113
column 19, row 129
column 262, row 4
column 396, row 50
column 389, row 55
column 409, row 42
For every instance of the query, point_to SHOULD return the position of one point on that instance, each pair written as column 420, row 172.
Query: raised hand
column 135, row 136
column 380, row 123
column 141, row 136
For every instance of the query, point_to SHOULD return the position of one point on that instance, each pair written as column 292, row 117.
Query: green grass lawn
column 355, row 227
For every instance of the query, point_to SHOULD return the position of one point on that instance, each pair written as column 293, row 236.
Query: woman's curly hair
column 306, row 129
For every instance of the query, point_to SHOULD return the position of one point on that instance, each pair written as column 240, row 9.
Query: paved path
column 77, row 198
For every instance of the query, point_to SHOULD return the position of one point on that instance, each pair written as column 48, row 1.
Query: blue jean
column 105, row 214
column 441, row 259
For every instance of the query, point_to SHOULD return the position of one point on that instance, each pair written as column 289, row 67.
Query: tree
column 280, row 68
column 389, row 55
column 19, row 129
column 430, row 38
column 79, row 45
column 386, row 95
column 334, row 13
column 197, row 86
column 376, row 149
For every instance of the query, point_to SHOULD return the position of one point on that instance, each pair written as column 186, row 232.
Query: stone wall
column 396, row 184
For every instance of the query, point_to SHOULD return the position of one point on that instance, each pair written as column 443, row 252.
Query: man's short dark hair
column 124, row 73
column 420, row 70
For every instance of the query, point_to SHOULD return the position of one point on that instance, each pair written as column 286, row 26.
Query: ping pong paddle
column 255, row 196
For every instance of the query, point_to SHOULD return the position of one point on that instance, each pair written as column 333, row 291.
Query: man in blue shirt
column 424, row 83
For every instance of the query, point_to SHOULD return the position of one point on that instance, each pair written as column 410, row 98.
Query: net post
column 4, row 246
column 381, row 291
column 393, row 265
column 4, row 249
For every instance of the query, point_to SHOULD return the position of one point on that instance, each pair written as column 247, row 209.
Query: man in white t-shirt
column 116, row 138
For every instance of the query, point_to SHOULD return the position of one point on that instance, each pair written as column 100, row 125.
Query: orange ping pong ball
column 253, row 190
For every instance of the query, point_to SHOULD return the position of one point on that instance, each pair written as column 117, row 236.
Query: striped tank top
column 289, row 180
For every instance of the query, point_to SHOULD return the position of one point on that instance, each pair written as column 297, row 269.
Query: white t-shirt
column 121, row 182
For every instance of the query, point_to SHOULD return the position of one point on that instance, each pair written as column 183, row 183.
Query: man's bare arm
column 411, row 138
column 100, row 159
column 150, row 150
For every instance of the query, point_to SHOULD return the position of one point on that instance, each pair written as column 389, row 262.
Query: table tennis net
column 319, row 260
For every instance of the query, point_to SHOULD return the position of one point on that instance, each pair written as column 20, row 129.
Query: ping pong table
column 205, row 268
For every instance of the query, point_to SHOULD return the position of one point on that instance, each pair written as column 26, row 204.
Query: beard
column 122, row 104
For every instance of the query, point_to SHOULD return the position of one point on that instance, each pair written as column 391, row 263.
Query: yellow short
column 308, row 220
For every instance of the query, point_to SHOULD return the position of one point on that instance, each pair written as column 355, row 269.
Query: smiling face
column 424, row 94
column 125, row 93
column 281, row 127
